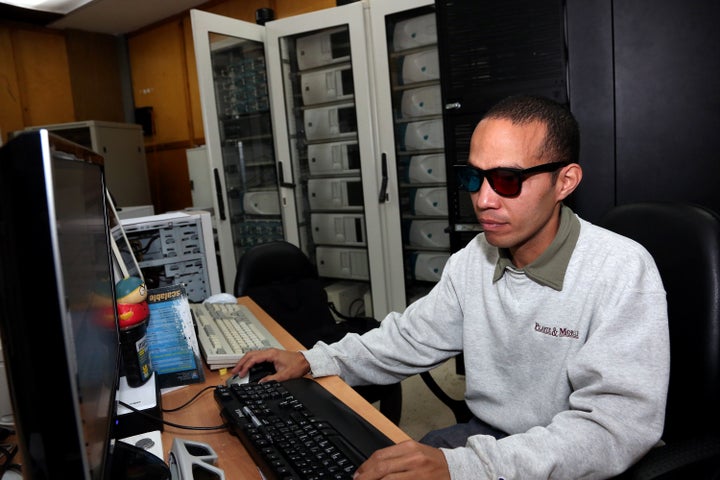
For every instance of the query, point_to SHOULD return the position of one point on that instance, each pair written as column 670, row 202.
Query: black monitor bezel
column 38, row 349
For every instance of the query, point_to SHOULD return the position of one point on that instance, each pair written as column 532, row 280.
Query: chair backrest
column 684, row 240
column 282, row 280
column 272, row 262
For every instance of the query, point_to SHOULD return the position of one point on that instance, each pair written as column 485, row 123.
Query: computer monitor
column 58, row 320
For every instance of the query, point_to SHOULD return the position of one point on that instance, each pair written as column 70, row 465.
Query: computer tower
column 349, row 298
column 176, row 248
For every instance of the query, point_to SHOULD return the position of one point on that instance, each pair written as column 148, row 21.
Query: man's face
column 525, row 224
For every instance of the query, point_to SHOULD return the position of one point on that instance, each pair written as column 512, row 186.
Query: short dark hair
column 562, row 141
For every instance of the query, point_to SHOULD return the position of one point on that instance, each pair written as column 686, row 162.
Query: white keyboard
column 227, row 330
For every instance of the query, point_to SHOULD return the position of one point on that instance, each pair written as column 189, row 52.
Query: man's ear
column 568, row 180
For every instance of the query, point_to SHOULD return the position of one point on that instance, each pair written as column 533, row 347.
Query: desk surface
column 204, row 411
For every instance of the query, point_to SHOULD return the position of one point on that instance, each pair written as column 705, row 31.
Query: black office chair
column 280, row 278
column 684, row 240
column 457, row 406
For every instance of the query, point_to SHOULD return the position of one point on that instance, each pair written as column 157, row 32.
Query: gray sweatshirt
column 577, row 374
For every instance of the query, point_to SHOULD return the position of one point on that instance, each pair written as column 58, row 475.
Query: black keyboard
column 297, row 430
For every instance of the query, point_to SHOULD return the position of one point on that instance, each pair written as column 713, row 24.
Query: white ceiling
column 117, row 17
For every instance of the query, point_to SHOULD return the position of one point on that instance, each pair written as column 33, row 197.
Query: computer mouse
column 221, row 298
column 237, row 379
column 260, row 370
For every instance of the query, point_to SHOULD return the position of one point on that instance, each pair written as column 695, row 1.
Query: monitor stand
column 129, row 461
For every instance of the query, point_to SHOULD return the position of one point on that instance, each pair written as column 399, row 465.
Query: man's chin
column 496, row 240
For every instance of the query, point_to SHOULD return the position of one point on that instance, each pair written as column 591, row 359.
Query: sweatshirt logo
column 557, row 332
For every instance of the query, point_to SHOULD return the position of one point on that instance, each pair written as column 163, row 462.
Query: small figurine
column 132, row 301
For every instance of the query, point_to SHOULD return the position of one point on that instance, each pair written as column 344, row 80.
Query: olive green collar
column 549, row 268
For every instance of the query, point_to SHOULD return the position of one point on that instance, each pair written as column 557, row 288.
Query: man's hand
column 287, row 364
column 407, row 460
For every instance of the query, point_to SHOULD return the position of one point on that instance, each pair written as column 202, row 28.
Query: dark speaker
column 144, row 118
column 131, row 462
column 264, row 15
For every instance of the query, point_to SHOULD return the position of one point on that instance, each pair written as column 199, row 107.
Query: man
column 563, row 324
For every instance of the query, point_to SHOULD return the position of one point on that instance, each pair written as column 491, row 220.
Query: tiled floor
column 421, row 410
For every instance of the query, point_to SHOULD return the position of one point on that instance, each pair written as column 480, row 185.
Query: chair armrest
column 693, row 458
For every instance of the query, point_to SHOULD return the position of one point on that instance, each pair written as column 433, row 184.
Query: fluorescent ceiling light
column 55, row 6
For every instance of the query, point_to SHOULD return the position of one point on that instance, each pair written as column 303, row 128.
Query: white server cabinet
column 333, row 187
column 174, row 248
column 123, row 148
column 407, row 80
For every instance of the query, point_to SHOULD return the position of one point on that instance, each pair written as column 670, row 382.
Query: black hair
column 562, row 141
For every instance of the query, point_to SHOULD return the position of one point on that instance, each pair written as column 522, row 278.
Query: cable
column 8, row 450
column 337, row 312
column 143, row 250
column 176, row 425
column 359, row 303
column 189, row 401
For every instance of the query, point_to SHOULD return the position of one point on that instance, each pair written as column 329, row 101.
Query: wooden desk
column 204, row 411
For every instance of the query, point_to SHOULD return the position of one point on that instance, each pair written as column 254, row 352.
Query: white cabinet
column 122, row 146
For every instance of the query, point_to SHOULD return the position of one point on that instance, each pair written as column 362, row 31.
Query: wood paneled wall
column 11, row 106
column 40, row 73
column 95, row 75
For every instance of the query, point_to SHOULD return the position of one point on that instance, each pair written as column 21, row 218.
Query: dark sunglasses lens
column 200, row 473
column 197, row 450
column 504, row 182
column 468, row 178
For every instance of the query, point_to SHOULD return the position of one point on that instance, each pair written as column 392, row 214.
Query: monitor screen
column 58, row 320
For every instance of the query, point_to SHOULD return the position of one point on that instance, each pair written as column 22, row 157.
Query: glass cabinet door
column 238, row 129
column 329, row 154
column 410, row 105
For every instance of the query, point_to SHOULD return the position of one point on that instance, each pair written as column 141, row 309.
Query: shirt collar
column 549, row 268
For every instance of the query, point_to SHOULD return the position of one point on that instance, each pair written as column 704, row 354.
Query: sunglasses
column 191, row 460
column 506, row 182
